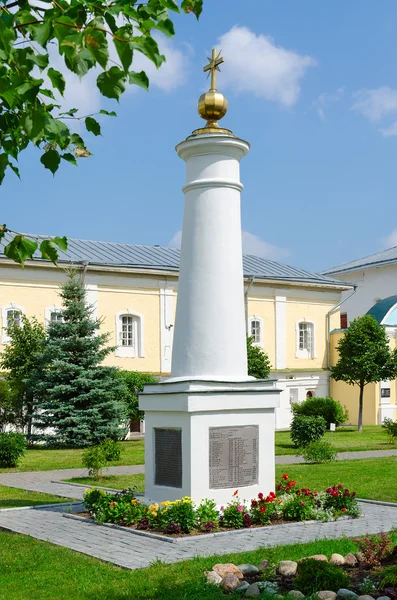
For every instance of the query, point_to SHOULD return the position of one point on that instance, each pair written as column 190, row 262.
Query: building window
column 305, row 339
column 129, row 334
column 56, row 317
column 343, row 320
column 10, row 314
column 53, row 314
column 256, row 330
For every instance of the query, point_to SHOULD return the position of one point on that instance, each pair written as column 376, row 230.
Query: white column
column 209, row 337
column 281, row 331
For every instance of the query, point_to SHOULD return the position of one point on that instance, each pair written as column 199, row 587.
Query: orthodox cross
column 213, row 67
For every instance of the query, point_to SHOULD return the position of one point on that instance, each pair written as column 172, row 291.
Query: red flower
column 262, row 508
column 343, row 509
column 235, row 493
column 272, row 494
column 254, row 503
column 334, row 493
column 291, row 484
column 285, row 476
column 260, row 496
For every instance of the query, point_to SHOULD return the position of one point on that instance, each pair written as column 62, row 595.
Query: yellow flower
column 154, row 513
column 134, row 501
column 166, row 503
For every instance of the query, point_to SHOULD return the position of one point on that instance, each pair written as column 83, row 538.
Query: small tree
column 77, row 397
column 258, row 361
column 20, row 360
column 134, row 383
column 364, row 357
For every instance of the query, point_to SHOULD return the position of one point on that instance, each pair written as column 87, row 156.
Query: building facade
column 133, row 290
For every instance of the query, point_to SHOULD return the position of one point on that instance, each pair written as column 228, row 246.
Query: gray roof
column 373, row 260
column 110, row 254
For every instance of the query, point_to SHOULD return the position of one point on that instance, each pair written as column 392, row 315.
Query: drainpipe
column 84, row 264
column 329, row 332
column 251, row 281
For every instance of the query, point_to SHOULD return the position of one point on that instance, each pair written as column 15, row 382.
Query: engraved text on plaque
column 233, row 456
column 168, row 457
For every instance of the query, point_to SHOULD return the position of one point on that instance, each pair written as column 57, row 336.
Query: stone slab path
column 133, row 552
column 292, row 459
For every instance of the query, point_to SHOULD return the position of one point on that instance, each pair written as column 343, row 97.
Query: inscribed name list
column 233, row 456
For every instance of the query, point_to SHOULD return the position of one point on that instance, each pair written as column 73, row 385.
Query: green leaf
column 61, row 242
column 7, row 37
column 149, row 47
column 51, row 160
column 77, row 140
column 111, row 83
column 111, row 21
column 69, row 158
column 3, row 165
column 140, row 79
column 33, row 124
column 3, row 231
column 80, row 63
column 57, row 80
column 41, row 60
column 41, row 33
column 29, row 90
column 48, row 250
column 69, row 113
column 170, row 4
column 48, row 93
column 97, row 44
column 166, row 27
column 124, row 48
column 20, row 249
column 192, row 6
column 16, row 170
column 57, row 132
column 93, row 126
column 109, row 114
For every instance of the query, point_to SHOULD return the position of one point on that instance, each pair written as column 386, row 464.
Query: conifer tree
column 76, row 396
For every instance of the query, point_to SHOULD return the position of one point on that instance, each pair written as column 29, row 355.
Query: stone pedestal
column 209, row 429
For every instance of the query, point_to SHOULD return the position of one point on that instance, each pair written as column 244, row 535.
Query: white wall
column 377, row 282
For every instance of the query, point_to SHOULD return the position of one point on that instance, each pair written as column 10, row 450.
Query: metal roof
column 108, row 254
column 381, row 308
column 373, row 260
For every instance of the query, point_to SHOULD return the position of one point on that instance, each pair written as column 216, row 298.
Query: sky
column 311, row 85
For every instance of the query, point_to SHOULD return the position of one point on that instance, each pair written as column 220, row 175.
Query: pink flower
column 240, row 508
column 222, row 508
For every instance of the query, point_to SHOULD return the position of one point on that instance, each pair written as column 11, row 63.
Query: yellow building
column 133, row 289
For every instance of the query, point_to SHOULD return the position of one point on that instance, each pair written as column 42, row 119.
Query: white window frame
column 255, row 318
column 5, row 338
column 305, row 353
column 130, row 351
column 48, row 311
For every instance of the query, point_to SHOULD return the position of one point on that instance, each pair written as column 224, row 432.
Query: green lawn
column 372, row 478
column 10, row 497
column 42, row 459
column 345, row 439
column 42, row 571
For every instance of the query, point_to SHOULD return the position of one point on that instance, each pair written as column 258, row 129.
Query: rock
column 326, row 595
column 248, row 569
column 365, row 597
column 347, row 594
column 269, row 587
column 337, row 559
column 230, row 582
column 253, row 591
column 360, row 557
column 244, row 585
column 226, row 568
column 287, row 568
column 318, row 557
column 213, row 577
column 263, row 565
column 384, row 598
column 350, row 560
column 296, row 595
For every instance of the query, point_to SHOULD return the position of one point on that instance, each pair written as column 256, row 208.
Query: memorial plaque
column 233, row 456
column 168, row 457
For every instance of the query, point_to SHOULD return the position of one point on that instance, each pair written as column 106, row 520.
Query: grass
column 14, row 497
column 345, row 439
column 39, row 570
column 118, row 482
column 43, row 459
column 371, row 478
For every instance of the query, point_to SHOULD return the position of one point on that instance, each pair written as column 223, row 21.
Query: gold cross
column 213, row 66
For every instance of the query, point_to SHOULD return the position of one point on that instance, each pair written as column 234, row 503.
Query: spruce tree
column 77, row 397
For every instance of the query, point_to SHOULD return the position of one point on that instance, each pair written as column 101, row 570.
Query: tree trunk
column 29, row 412
column 360, row 408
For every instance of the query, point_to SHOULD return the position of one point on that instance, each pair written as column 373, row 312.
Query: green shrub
column 316, row 575
column 94, row 460
column 134, row 384
column 305, row 430
column 328, row 408
column 388, row 577
column 320, row 451
column 258, row 361
column 391, row 430
column 112, row 450
column 12, row 448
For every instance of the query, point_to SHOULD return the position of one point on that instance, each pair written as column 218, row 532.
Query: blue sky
column 311, row 85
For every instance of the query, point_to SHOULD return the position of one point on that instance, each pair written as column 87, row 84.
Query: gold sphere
column 212, row 106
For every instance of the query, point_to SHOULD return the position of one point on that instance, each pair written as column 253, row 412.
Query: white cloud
column 324, row 100
column 376, row 104
column 391, row 240
column 390, row 131
column 254, row 64
column 252, row 244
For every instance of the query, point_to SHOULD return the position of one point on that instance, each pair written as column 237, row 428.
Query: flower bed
column 184, row 517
